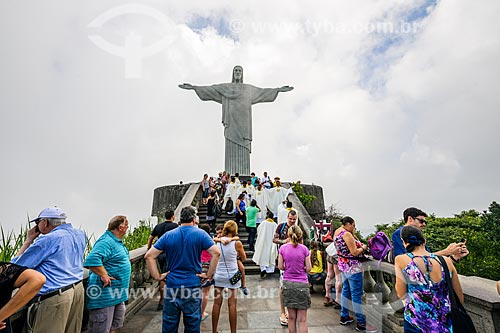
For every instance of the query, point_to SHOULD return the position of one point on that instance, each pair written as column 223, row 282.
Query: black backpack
column 229, row 205
column 216, row 210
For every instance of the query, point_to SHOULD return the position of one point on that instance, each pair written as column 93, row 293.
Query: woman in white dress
column 227, row 268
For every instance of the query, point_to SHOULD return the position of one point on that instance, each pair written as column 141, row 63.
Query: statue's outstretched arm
column 187, row 86
column 205, row 93
column 285, row 89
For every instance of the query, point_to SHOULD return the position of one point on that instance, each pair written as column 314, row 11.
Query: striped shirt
column 111, row 253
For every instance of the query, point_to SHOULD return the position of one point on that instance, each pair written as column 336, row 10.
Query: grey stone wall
column 317, row 207
column 167, row 197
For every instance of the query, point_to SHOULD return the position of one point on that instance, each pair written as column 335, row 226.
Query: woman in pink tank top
column 294, row 260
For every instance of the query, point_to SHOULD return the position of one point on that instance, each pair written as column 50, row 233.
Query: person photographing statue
column 237, row 99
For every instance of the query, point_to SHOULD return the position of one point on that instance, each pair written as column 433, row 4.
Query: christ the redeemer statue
column 237, row 99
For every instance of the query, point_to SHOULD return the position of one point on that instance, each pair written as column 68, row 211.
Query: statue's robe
column 237, row 100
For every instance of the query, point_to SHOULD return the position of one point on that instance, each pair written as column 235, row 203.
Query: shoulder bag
column 461, row 321
column 237, row 276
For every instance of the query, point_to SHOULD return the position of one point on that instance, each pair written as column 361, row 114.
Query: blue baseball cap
column 50, row 213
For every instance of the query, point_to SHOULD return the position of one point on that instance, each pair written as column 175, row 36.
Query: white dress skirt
column 227, row 266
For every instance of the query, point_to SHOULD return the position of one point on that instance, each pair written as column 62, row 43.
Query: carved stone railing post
column 381, row 289
column 368, row 286
column 377, row 312
column 142, row 287
column 396, row 304
column 368, row 281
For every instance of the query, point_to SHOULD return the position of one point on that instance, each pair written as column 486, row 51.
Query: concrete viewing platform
column 257, row 312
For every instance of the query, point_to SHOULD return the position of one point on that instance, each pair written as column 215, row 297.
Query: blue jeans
column 187, row 301
column 252, row 231
column 317, row 278
column 352, row 289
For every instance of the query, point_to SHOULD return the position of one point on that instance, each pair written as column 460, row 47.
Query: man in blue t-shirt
column 417, row 218
column 183, row 247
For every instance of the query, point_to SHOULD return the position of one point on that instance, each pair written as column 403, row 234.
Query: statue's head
column 237, row 74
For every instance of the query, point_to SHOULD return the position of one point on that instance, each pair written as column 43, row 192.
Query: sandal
column 328, row 302
column 283, row 320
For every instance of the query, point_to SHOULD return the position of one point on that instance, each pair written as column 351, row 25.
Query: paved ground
column 258, row 312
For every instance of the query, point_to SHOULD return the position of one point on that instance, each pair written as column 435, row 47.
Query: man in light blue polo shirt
column 57, row 254
column 107, row 289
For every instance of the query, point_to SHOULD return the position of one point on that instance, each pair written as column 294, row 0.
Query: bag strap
column 282, row 228
column 451, row 292
column 224, row 258
column 358, row 258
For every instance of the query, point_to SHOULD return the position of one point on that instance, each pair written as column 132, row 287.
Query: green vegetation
column 334, row 216
column 138, row 236
column 11, row 243
column 482, row 231
column 306, row 199
column 90, row 243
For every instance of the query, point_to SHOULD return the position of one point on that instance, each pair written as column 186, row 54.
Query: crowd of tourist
column 48, row 270
column 231, row 194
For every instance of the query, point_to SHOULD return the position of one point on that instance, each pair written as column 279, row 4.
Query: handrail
column 187, row 199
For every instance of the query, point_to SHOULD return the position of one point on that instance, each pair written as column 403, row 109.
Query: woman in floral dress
column 420, row 277
column 349, row 250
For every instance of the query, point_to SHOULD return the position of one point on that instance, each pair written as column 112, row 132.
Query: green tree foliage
column 491, row 221
column 481, row 230
column 334, row 216
column 306, row 199
column 139, row 236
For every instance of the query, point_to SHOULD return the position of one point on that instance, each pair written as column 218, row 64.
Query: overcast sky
column 396, row 104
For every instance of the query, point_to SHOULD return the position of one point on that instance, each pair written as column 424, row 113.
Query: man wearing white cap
column 58, row 255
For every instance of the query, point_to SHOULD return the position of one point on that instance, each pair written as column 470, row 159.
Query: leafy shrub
column 306, row 199
column 138, row 236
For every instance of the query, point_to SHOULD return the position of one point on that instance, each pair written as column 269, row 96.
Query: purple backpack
column 380, row 245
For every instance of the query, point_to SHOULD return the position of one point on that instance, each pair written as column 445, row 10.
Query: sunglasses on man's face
column 421, row 220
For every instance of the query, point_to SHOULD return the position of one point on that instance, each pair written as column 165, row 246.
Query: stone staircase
column 250, row 267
